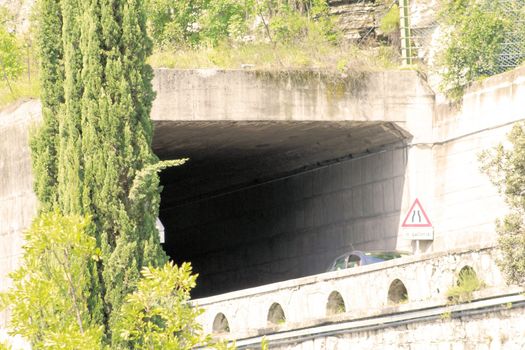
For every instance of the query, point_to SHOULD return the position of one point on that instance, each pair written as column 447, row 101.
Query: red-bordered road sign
column 416, row 216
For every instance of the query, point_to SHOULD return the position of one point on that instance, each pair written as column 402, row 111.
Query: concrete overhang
column 245, row 127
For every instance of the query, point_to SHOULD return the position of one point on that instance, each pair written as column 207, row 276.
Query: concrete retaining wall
column 17, row 201
column 209, row 95
column 466, row 204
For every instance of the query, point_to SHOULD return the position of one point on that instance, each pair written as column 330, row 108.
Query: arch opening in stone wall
column 466, row 274
column 335, row 304
column 276, row 316
column 397, row 292
column 220, row 324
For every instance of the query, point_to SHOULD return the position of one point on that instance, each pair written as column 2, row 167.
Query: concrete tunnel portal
column 266, row 201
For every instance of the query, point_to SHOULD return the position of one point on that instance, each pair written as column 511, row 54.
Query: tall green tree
column 96, row 137
column 116, row 142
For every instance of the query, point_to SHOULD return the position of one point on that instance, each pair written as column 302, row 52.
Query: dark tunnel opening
column 278, row 205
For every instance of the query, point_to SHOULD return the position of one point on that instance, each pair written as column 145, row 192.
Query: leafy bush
column 172, row 22
column 222, row 19
column 468, row 282
column 51, row 289
column 506, row 169
column 474, row 41
column 10, row 55
column 390, row 21
column 183, row 23
column 158, row 314
column 17, row 61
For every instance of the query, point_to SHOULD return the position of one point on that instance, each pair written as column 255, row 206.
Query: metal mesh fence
column 513, row 48
column 424, row 40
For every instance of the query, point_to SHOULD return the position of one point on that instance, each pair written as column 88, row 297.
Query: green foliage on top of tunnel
column 265, row 34
column 185, row 23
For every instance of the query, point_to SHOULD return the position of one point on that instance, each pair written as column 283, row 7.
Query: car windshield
column 340, row 263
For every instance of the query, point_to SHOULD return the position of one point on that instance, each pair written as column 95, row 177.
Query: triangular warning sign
column 416, row 216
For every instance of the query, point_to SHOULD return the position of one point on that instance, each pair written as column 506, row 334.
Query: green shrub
column 390, row 21
column 189, row 23
column 51, row 289
column 172, row 22
column 158, row 314
column 222, row 20
column 467, row 283
column 11, row 65
column 474, row 41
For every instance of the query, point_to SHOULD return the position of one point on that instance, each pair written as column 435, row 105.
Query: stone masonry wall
column 365, row 291
column 496, row 330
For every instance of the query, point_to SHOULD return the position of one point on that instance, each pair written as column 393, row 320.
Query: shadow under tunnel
column 267, row 202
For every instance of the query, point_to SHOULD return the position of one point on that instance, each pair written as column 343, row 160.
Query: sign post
column 417, row 225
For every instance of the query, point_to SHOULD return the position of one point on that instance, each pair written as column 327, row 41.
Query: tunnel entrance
column 262, row 202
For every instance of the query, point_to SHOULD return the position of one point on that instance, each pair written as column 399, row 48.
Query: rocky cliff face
column 357, row 19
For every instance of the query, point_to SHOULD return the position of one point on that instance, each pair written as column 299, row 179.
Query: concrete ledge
column 288, row 95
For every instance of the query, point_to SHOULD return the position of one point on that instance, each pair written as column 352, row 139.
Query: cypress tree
column 96, row 138
column 116, row 142
column 44, row 141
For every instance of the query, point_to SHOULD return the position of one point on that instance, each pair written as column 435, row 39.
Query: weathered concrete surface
column 208, row 94
column 364, row 290
column 465, row 202
column 17, row 201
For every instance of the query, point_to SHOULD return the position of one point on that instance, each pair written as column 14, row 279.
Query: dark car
column 359, row 258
